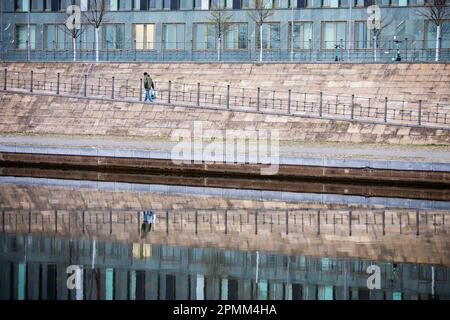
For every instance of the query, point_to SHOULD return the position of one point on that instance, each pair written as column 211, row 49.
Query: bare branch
column 95, row 15
column 220, row 19
column 435, row 10
column 261, row 12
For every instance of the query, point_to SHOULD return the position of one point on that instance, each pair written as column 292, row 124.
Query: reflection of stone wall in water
column 51, row 197
column 202, row 272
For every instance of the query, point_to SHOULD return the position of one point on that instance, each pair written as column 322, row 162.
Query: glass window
column 174, row 36
column 144, row 35
column 49, row 37
column 21, row 37
column 87, row 37
column 113, row 35
column 268, row 4
column 166, row 4
column 184, row 4
column 245, row 4
column 330, row 3
column 37, row 5
column 113, row 5
column 332, row 34
column 197, row 4
column 314, row 3
column 399, row 3
column 324, row 292
column 359, row 3
column 204, row 36
column 302, row 35
column 56, row 37
column 270, row 36
column 361, row 40
column 236, row 36
column 22, row 5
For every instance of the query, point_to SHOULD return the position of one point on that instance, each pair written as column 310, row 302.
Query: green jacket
column 148, row 82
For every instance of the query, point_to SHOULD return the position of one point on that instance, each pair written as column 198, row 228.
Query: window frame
column 194, row 31
column 16, row 43
column 133, row 26
column 163, row 38
column 103, row 44
column 257, row 34
column 247, row 46
column 322, row 34
column 290, row 33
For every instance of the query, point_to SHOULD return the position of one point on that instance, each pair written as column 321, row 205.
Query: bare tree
column 377, row 23
column 436, row 11
column 95, row 15
column 73, row 28
column 263, row 10
column 221, row 21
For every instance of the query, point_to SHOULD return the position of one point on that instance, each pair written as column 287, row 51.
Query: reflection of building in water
column 34, row 267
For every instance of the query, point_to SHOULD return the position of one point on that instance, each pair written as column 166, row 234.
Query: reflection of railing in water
column 233, row 221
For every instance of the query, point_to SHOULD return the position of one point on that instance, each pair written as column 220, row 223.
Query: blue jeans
column 148, row 95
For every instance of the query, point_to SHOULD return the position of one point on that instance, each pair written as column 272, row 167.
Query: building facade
column 156, row 30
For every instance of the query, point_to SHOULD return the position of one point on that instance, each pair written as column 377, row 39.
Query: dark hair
column 145, row 73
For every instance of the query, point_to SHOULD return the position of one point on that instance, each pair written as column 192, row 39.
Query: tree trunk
column 218, row 48
column 260, row 43
column 438, row 42
column 74, row 47
column 375, row 41
column 96, row 44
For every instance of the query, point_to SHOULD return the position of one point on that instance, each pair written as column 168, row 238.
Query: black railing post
column 226, row 221
column 140, row 89
column 257, row 99
column 85, row 85
column 5, row 78
column 352, row 114
column 112, row 88
column 419, row 117
column 350, row 223
column 169, row 91
column 318, row 222
column 385, row 109
column 110, row 221
column 417, row 222
column 320, row 104
column 57, row 83
column 228, row 96
column 198, row 94
column 289, row 102
column 31, row 81
column 287, row 221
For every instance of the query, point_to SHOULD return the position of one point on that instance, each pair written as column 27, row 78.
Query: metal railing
column 197, row 95
column 241, row 51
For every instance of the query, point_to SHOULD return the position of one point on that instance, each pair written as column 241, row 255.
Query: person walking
column 148, row 86
column 146, row 227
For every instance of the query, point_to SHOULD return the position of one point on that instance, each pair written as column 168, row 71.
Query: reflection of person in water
column 146, row 227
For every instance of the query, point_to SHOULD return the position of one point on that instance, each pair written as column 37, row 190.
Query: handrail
column 291, row 103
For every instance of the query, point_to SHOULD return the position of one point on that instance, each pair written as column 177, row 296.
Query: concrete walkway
column 373, row 151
